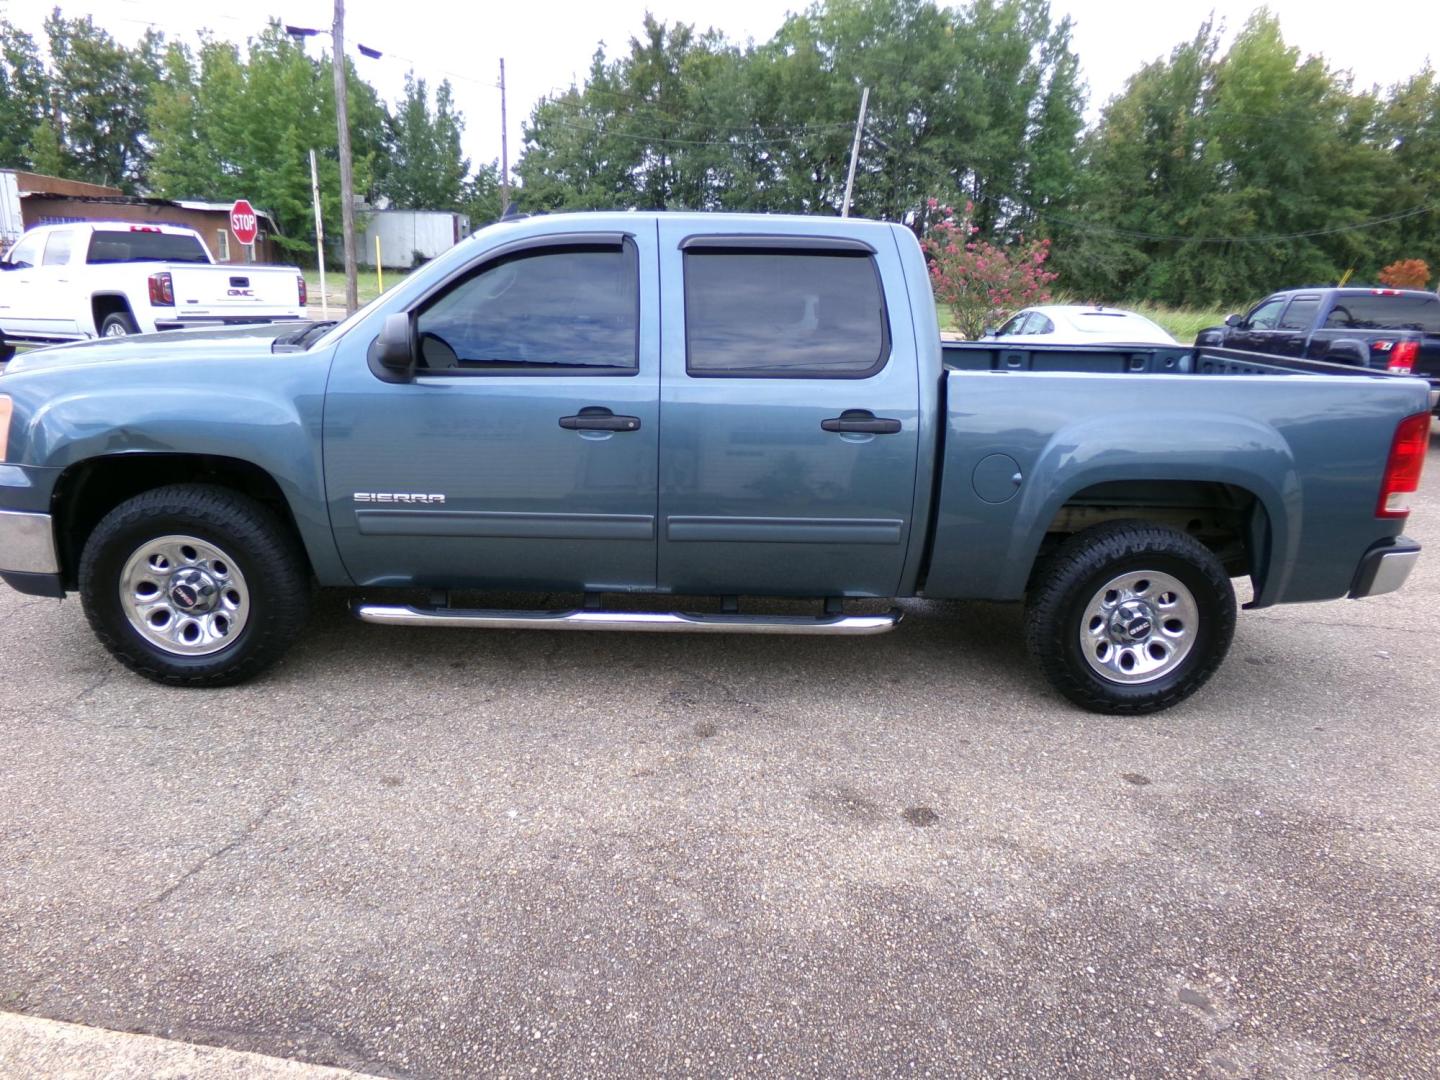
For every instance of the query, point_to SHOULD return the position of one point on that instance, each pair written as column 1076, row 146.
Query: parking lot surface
column 441, row 853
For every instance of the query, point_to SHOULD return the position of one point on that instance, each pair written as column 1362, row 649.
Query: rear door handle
column 861, row 422
column 595, row 418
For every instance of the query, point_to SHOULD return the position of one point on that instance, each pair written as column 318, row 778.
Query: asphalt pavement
column 446, row 853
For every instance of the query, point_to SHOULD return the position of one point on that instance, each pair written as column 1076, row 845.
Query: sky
column 549, row 45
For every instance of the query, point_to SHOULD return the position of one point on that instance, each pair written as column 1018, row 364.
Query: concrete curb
column 34, row 1047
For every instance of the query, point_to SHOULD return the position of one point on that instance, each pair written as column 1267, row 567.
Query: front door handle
column 595, row 418
column 860, row 422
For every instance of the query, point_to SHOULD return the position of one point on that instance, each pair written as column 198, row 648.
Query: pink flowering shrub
column 980, row 283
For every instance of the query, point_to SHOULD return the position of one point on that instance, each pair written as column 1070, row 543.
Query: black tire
column 276, row 580
column 122, row 320
column 1075, row 576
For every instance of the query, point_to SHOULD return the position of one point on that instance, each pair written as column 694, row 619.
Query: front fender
column 266, row 411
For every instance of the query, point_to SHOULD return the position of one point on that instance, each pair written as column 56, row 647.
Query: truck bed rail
column 1138, row 360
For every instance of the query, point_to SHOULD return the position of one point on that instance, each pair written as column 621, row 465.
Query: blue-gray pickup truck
column 684, row 405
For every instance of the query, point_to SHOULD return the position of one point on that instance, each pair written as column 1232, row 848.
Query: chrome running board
column 585, row 619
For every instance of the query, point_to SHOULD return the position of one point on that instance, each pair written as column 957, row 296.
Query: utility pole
column 319, row 237
column 854, row 149
column 347, row 179
column 504, row 147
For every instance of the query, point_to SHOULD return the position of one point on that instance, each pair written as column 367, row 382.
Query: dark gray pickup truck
column 694, row 405
column 1395, row 330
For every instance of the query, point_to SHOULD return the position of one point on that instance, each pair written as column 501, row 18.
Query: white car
column 1079, row 324
column 108, row 279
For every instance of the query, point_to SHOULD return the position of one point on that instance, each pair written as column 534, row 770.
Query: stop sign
column 243, row 222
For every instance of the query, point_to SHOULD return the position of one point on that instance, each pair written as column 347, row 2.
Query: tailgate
column 1428, row 362
column 244, row 291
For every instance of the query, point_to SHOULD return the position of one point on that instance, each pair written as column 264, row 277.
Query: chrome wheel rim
column 184, row 595
column 1139, row 627
column 116, row 329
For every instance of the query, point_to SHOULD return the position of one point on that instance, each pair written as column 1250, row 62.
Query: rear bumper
column 225, row 320
column 1385, row 567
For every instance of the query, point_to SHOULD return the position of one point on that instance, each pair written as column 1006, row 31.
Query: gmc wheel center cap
column 193, row 591
column 1132, row 620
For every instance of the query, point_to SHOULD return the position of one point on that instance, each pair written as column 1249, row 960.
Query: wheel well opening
column 89, row 490
column 1229, row 520
column 103, row 306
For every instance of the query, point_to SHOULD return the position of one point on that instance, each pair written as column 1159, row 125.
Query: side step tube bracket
column 655, row 621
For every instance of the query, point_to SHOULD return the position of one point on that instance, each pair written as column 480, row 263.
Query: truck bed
column 1033, row 434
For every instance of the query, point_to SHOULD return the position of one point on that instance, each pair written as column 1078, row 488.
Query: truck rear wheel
column 118, row 324
column 194, row 585
column 1129, row 617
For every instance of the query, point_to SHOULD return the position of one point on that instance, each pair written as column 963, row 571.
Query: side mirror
column 989, row 331
column 394, row 349
column 1234, row 320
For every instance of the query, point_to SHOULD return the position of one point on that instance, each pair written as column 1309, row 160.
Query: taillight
column 162, row 290
column 304, row 293
column 1402, row 469
column 1403, row 357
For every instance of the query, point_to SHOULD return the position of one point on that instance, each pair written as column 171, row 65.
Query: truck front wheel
column 194, row 585
column 1129, row 617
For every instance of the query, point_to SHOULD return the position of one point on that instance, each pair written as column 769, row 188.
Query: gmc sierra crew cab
column 694, row 405
column 112, row 279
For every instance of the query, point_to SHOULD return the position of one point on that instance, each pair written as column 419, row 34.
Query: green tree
column 1407, row 130
column 424, row 167
column 101, row 90
column 186, row 163
column 481, row 203
column 227, row 125
column 1219, row 178
column 982, row 101
column 664, row 126
column 45, row 152
column 24, row 95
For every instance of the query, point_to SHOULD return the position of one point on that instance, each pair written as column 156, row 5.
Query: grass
column 366, row 285
column 1181, row 323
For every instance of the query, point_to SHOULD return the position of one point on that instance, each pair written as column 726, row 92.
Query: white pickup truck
column 109, row 279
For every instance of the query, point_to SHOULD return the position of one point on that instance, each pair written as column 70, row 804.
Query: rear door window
column 57, row 248
column 1379, row 312
column 784, row 314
